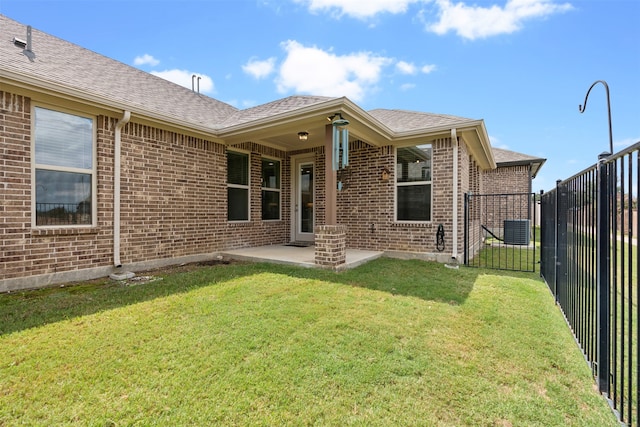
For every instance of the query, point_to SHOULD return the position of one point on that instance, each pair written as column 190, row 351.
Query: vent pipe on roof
column 193, row 85
column 26, row 45
column 29, row 38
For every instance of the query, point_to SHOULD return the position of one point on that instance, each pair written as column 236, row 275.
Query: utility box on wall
column 517, row 231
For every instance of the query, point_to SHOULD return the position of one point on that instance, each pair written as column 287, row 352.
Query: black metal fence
column 500, row 232
column 589, row 260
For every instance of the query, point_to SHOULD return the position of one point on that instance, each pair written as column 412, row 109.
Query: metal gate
column 500, row 231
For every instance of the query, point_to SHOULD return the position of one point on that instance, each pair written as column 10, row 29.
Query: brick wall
column 330, row 246
column 507, row 179
column 173, row 194
column 503, row 183
column 173, row 202
column 474, row 229
column 15, row 184
column 256, row 232
column 366, row 206
column 25, row 251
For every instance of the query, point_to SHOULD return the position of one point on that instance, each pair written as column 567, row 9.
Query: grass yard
column 495, row 254
column 389, row 343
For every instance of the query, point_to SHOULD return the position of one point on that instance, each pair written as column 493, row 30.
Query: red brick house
column 103, row 165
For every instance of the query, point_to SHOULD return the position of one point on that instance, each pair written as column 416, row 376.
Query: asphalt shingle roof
column 404, row 121
column 511, row 158
column 80, row 69
column 506, row 156
column 274, row 108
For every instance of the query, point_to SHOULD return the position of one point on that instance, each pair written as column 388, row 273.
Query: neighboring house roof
column 506, row 158
column 60, row 68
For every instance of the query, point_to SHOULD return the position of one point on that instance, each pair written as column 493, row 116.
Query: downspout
column 454, row 231
column 116, row 187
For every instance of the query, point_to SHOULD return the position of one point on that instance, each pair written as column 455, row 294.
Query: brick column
column 331, row 246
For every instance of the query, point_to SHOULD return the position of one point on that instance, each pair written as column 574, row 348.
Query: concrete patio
column 299, row 256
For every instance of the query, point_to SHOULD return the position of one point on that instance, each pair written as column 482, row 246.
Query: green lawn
column 389, row 343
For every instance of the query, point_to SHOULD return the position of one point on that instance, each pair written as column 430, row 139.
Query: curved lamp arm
column 583, row 107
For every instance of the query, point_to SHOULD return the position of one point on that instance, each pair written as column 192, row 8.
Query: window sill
column 238, row 223
column 63, row 231
column 413, row 224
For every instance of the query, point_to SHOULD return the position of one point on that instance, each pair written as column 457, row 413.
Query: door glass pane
column 306, row 199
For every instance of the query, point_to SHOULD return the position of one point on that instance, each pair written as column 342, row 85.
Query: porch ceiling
column 285, row 137
column 282, row 132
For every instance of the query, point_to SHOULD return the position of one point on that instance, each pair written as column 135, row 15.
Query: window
column 64, row 168
column 237, row 186
column 413, row 183
column 270, row 189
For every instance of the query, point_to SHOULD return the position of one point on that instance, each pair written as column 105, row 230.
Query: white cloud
column 315, row 71
column 359, row 9
column 426, row 69
column 497, row 143
column 184, row 78
column 407, row 86
column 146, row 59
column 473, row 22
column 406, row 68
column 259, row 69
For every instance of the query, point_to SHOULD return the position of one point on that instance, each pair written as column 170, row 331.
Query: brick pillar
column 331, row 246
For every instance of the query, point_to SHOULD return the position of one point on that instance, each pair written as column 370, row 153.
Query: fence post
column 604, row 192
column 556, row 250
column 466, row 228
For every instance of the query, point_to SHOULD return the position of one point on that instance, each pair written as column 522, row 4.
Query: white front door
column 304, row 217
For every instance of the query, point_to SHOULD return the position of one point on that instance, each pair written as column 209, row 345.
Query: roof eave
column 47, row 87
column 363, row 125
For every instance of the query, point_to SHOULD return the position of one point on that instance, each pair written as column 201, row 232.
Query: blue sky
column 523, row 66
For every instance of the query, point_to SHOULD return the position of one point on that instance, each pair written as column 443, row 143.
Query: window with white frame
column 64, row 168
column 237, row 186
column 270, row 189
column 413, row 183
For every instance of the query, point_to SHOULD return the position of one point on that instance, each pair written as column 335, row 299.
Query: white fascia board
column 475, row 133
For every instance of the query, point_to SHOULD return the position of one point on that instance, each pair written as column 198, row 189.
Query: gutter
column 454, row 233
column 116, row 186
